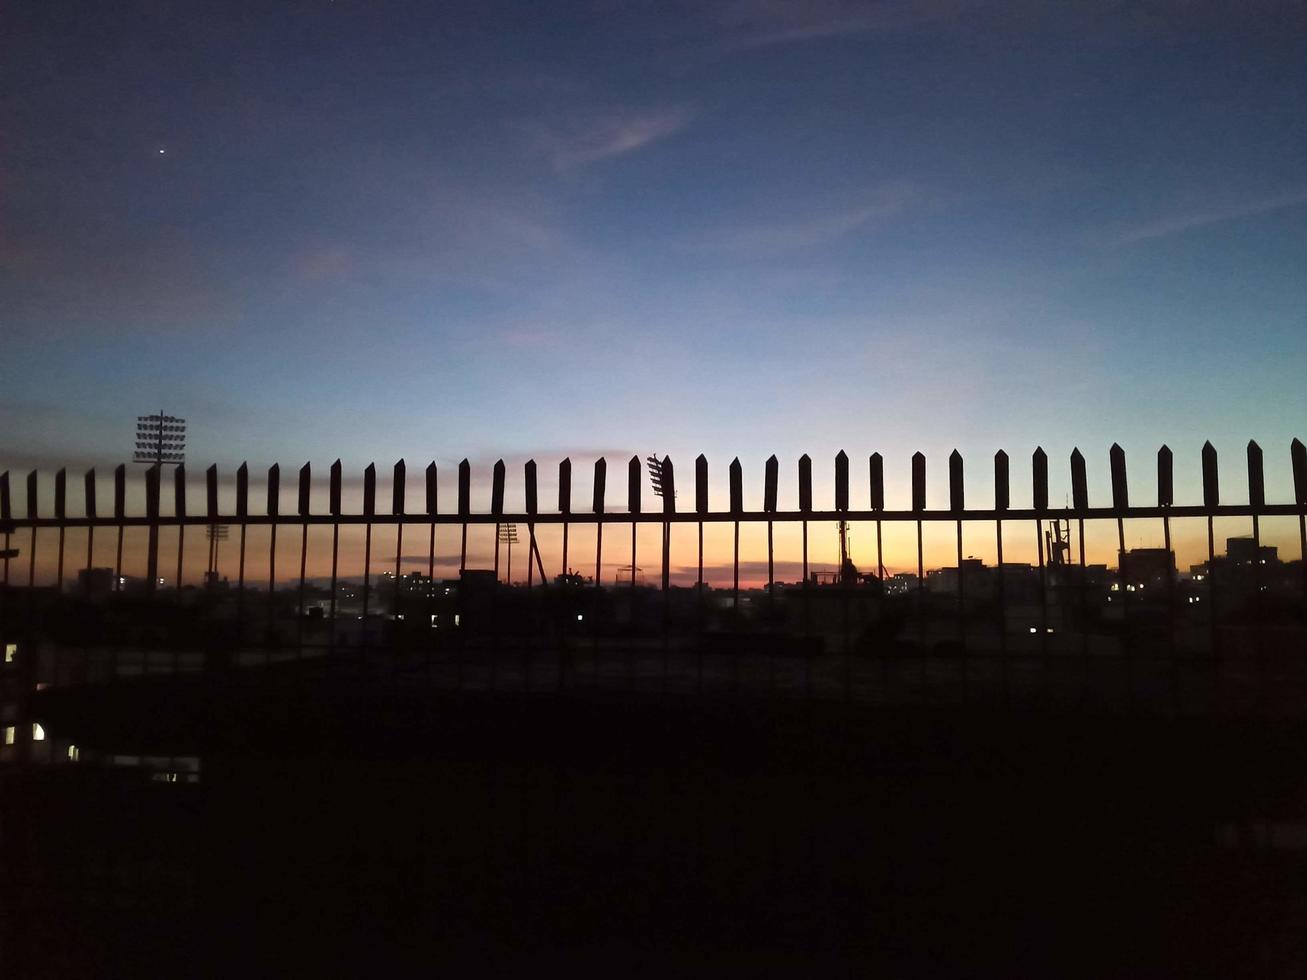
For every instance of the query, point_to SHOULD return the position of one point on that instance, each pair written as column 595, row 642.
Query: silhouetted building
column 1145, row 568
column 95, row 583
column 1245, row 551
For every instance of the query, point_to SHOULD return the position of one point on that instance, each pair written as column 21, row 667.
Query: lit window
column 1033, row 630
column 74, row 753
column 579, row 617
column 11, row 652
column 10, row 732
column 457, row 619
column 38, row 733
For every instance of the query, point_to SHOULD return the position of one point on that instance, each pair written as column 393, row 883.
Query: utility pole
column 160, row 441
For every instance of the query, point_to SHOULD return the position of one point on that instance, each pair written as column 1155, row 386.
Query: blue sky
column 374, row 230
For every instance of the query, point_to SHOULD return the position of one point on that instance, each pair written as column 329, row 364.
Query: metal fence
column 967, row 633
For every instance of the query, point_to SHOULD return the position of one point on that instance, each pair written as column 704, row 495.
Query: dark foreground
column 509, row 835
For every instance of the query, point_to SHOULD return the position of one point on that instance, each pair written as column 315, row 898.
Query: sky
column 380, row 230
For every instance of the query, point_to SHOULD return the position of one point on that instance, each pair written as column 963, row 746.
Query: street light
column 160, row 439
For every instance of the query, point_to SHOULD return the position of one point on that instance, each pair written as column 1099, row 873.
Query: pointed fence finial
column 61, row 493
column 274, row 490
column 1079, row 482
column 1256, row 476
column 600, row 482
column 1211, row 481
column 1120, row 488
column 88, row 493
column 370, row 490
column 178, row 489
column 497, row 488
column 633, row 471
column 464, row 488
column 31, row 495
column 1002, row 483
column 1298, row 454
column 669, row 485
column 210, row 491
column 876, row 469
column 701, row 484
column 1039, row 474
column 918, row 481
column 1165, row 477
column 398, row 487
column 841, row 481
column 529, row 486
column 432, row 488
column 565, row 486
column 771, row 477
column 306, row 479
column 242, row 491
column 805, row 483
column 957, row 500
column 737, row 486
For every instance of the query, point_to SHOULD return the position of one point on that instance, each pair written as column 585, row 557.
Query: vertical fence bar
column 273, row 510
column 88, row 501
column 1212, row 500
column 398, row 489
column 61, row 514
column 1039, row 477
column 845, row 574
column 1080, row 501
column 464, row 509
column 429, row 620
column 668, row 473
column 1166, row 500
column 179, row 511
column 302, row 509
column 700, row 508
column 600, row 485
column 805, row 507
column 1120, row 504
column 242, row 515
column 876, row 475
column 919, row 505
column 736, row 474
column 633, row 507
column 119, row 512
column 211, row 500
column 333, row 506
column 771, row 476
column 1298, row 457
column 957, row 503
column 532, row 500
column 369, row 512
column 565, row 503
column 497, row 510
column 1256, row 501
column 1001, row 501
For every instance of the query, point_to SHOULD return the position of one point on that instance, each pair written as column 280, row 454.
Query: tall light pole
column 508, row 536
column 160, row 441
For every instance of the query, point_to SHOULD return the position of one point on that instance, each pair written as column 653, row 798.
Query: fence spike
column 152, row 475
column 956, row 490
column 1120, row 488
column 701, row 484
column 601, row 480
column 370, row 490
column 399, row 487
column 120, row 490
column 1165, row 477
column 211, row 491
column 1211, row 480
column 805, row 483
column 737, row 486
column 1002, row 484
column 771, row 476
column 565, row 486
column 669, row 486
column 841, row 481
column 1039, row 472
column 333, row 489
column 1298, row 453
column 178, row 490
column 6, row 511
column 1256, row 476
column 88, row 493
column 918, row 481
column 306, row 478
column 31, row 495
column 529, row 486
column 432, row 488
column 274, row 489
column 464, row 488
column 61, row 493
column 633, row 471
column 497, row 488
column 242, row 491
column 1079, row 483
column 876, row 468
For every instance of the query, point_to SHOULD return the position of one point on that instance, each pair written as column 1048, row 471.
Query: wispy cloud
column 761, row 23
column 591, row 138
column 814, row 228
column 1178, row 224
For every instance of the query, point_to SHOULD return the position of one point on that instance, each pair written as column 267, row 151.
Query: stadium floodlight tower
column 160, row 442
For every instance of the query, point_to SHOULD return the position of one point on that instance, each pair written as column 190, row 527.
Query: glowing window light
column 11, row 652
column 10, row 733
column 38, row 733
